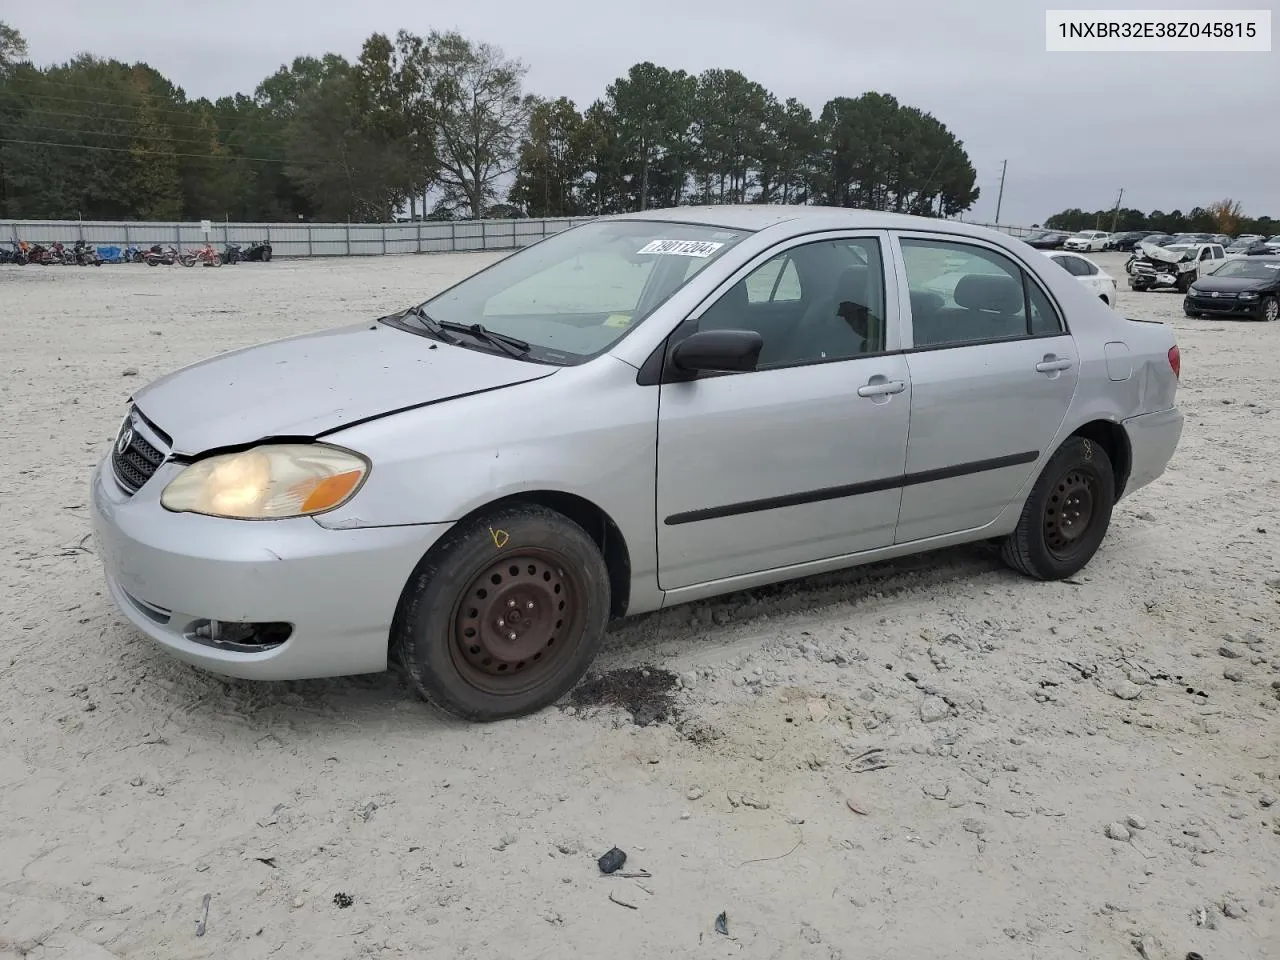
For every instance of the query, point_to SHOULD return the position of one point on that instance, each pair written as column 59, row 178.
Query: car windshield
column 1249, row 269
column 578, row 292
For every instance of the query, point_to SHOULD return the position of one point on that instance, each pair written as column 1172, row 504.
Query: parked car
column 1101, row 283
column 1247, row 288
column 1047, row 239
column 1178, row 265
column 1249, row 248
column 1086, row 241
column 475, row 485
column 1125, row 241
column 1273, row 241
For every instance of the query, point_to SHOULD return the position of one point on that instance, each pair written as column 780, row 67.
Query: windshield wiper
column 510, row 345
column 434, row 326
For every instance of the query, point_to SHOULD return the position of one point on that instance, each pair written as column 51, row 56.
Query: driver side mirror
column 720, row 351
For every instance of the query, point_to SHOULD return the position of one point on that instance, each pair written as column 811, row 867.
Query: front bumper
column 337, row 589
column 1224, row 306
column 1153, row 439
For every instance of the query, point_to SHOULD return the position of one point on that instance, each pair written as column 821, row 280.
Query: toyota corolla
column 642, row 411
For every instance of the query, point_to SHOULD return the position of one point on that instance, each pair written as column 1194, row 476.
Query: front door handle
column 1048, row 365
column 882, row 388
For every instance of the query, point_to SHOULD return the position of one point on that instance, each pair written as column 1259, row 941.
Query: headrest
column 924, row 302
column 983, row 291
column 852, row 285
column 735, row 296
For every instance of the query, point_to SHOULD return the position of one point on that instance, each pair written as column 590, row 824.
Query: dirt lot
column 1009, row 722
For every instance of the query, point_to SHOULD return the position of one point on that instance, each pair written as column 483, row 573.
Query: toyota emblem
column 126, row 438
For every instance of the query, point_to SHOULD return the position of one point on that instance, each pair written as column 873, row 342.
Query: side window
column 962, row 293
column 775, row 281
column 1044, row 318
column 1075, row 266
column 1086, row 268
column 815, row 302
column 1206, row 253
column 1217, row 253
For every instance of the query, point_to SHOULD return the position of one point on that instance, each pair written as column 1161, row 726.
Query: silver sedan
column 639, row 412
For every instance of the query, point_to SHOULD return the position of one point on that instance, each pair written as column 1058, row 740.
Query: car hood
column 1153, row 252
column 315, row 383
column 1230, row 284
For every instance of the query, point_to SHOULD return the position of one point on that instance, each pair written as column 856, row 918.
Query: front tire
column 504, row 615
column 1269, row 310
column 1067, row 514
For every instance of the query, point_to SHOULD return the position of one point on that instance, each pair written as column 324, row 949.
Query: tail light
column 1175, row 361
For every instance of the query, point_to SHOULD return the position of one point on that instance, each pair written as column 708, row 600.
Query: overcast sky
column 1174, row 130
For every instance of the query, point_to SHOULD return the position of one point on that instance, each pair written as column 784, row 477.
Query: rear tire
column 504, row 615
column 1066, row 515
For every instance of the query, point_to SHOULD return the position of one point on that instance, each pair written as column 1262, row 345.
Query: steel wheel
column 517, row 620
column 1069, row 512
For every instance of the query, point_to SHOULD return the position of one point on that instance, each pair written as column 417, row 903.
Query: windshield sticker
column 617, row 320
column 681, row 248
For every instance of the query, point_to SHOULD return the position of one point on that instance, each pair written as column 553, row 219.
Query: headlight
column 1249, row 295
column 268, row 482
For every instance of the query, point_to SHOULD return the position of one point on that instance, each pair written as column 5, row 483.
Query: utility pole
column 1115, row 213
column 1000, row 197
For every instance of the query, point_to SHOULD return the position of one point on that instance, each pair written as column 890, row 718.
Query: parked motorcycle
column 39, row 253
column 85, row 255
column 132, row 254
column 259, row 252
column 205, row 256
column 232, row 253
column 59, row 254
column 15, row 254
column 160, row 256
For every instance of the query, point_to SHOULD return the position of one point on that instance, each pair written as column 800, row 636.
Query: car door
column 993, row 369
column 801, row 459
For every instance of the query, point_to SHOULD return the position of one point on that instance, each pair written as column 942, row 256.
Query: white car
column 1088, row 272
column 1086, row 241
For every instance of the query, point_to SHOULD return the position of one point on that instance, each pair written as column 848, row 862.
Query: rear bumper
column 1153, row 439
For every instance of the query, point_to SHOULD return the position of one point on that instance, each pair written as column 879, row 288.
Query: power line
column 128, row 135
column 195, row 156
column 38, row 109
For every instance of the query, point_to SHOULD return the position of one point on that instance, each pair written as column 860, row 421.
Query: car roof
column 800, row 219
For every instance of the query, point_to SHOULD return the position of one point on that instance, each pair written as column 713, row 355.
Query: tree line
column 1224, row 216
column 442, row 126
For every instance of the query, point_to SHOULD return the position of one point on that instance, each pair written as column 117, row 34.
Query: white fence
column 313, row 239
column 298, row 239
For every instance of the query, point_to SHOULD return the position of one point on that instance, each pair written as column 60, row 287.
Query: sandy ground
column 1016, row 720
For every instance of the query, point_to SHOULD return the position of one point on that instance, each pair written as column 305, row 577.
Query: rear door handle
column 1049, row 366
column 882, row 388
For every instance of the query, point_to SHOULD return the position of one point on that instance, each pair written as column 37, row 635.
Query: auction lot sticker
column 681, row 248
column 1158, row 31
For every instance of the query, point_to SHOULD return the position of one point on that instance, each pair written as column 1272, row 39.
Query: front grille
column 134, row 458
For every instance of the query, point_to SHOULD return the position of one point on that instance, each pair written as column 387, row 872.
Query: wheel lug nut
column 511, row 603
column 501, row 624
column 529, row 605
column 512, row 635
